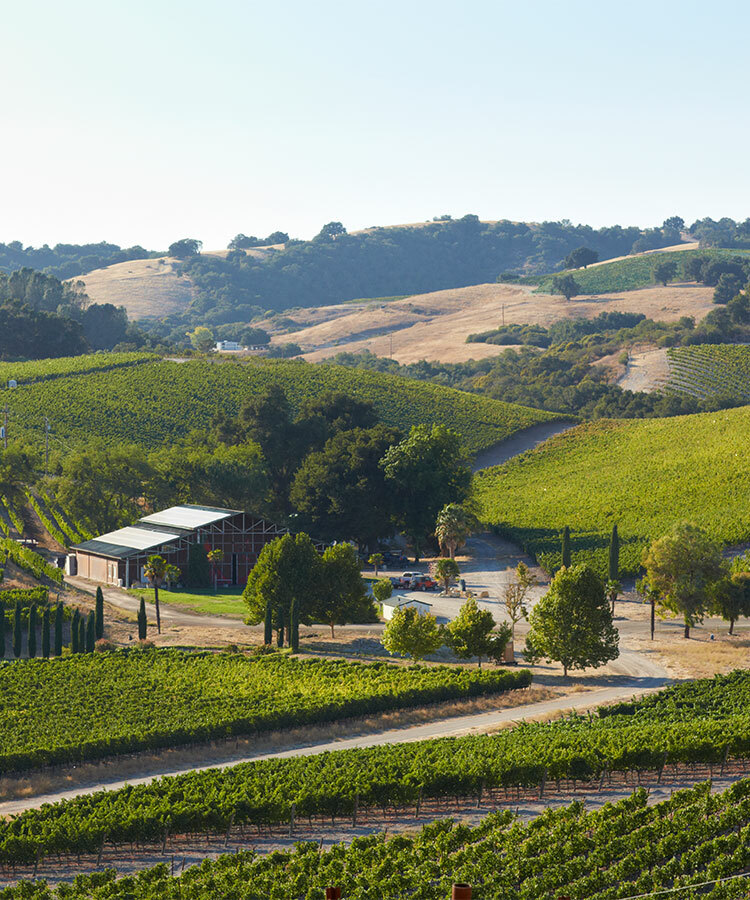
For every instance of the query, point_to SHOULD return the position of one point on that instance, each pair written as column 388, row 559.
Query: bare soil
column 647, row 369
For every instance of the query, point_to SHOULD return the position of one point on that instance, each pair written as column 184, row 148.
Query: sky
column 143, row 122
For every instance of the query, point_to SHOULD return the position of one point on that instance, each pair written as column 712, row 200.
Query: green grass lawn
column 632, row 273
column 224, row 602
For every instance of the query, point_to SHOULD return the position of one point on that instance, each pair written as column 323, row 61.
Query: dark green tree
column 425, row 472
column 294, row 626
column 469, row 634
column 90, row 632
column 580, row 257
column 566, row 285
column 665, row 272
column 268, row 623
column 31, row 637
column 99, row 614
column 572, row 623
column 58, row 629
column 45, row 633
column 682, row 566
column 74, row 631
column 341, row 595
column 2, row 630
column 82, row 634
column 185, row 248
column 17, row 630
column 287, row 568
column 341, row 491
column 198, row 573
column 566, row 552
column 142, row 621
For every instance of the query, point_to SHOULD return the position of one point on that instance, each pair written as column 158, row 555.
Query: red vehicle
column 423, row 583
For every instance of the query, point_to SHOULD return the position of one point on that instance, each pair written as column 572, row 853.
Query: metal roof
column 124, row 541
column 188, row 517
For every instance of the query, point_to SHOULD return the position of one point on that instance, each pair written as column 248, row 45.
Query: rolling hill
column 644, row 475
column 151, row 402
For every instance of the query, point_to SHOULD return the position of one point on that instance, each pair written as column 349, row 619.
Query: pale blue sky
column 141, row 122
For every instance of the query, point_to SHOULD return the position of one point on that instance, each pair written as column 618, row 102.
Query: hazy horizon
column 150, row 122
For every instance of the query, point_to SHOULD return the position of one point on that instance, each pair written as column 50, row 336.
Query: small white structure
column 390, row 606
column 227, row 345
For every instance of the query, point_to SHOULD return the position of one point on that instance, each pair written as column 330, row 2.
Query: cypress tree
column 294, row 627
column 45, row 633
column 142, row 621
column 82, row 634
column 58, row 629
column 17, row 633
column 614, row 555
column 74, row 631
column 566, row 547
column 268, row 624
column 31, row 640
column 99, row 614
column 280, row 636
column 90, row 633
column 2, row 630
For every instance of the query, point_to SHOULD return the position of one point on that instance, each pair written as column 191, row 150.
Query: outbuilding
column 390, row 606
column 118, row 557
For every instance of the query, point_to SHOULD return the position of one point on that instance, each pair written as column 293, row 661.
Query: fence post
column 291, row 819
column 543, row 784
column 724, row 760
column 461, row 892
column 356, row 808
column 419, row 803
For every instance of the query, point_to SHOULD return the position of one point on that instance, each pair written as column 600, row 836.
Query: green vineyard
column 153, row 403
column 704, row 722
column 710, row 370
column 643, row 475
column 93, row 706
column 633, row 272
column 45, row 369
column 694, row 840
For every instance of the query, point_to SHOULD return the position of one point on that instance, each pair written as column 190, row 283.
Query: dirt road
column 519, row 443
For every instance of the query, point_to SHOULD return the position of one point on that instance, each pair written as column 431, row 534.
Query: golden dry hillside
column 434, row 326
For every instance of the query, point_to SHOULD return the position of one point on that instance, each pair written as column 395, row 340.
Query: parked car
column 423, row 583
column 406, row 578
column 393, row 559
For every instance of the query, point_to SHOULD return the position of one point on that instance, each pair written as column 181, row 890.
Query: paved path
column 650, row 678
column 519, row 443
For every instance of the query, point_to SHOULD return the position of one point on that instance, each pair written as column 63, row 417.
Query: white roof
column 137, row 538
column 185, row 517
column 405, row 601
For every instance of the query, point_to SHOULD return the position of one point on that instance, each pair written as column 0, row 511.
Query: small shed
column 390, row 606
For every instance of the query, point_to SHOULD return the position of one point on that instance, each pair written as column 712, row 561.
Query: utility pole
column 46, row 445
column 391, row 337
column 503, row 315
column 5, row 427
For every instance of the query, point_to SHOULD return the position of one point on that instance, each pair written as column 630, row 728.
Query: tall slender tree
column 2, row 630
column 566, row 554
column 142, row 620
column 155, row 571
column 99, row 614
column 58, row 629
column 74, row 631
column 268, row 624
column 82, row 634
column 294, row 626
column 45, row 633
column 17, row 630
column 31, row 639
column 90, row 632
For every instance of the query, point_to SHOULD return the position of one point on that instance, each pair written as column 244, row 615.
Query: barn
column 118, row 557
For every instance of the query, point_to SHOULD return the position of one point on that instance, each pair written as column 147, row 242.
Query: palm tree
column 155, row 571
column 452, row 528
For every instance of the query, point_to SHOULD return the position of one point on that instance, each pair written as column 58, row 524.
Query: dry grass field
column 145, row 287
column 434, row 326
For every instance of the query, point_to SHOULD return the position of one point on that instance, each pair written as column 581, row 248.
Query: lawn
column 224, row 602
